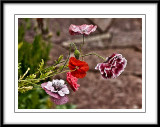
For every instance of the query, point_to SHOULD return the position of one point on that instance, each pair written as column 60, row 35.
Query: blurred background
column 49, row 38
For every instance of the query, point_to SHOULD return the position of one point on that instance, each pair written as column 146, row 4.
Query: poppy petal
column 80, row 66
column 78, row 74
column 61, row 101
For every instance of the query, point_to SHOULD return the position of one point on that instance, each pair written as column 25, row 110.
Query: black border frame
column 2, row 2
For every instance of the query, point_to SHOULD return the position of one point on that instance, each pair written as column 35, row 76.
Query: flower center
column 58, row 86
column 77, row 67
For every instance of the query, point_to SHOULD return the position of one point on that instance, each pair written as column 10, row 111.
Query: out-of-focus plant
column 29, row 57
column 30, row 54
column 66, row 106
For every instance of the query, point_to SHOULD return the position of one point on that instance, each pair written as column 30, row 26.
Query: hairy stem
column 93, row 54
column 68, row 56
column 81, row 45
column 74, row 46
column 83, row 39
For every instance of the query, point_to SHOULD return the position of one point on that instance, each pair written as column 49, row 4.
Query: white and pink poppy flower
column 81, row 29
column 112, row 67
column 57, row 90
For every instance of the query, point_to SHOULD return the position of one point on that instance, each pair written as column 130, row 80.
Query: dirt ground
column 122, row 36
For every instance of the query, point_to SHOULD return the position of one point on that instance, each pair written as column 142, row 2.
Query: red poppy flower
column 72, row 81
column 82, row 29
column 78, row 68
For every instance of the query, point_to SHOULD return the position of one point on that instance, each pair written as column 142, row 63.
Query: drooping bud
column 76, row 54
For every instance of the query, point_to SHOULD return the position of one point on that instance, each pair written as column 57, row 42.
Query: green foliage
column 59, row 59
column 28, row 23
column 31, row 95
column 21, row 33
column 31, row 76
column 33, row 99
column 45, row 74
column 41, row 66
column 24, row 89
column 31, row 70
column 19, row 66
column 30, row 55
column 61, row 67
column 50, row 68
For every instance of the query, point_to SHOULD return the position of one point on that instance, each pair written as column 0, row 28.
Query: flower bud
column 76, row 54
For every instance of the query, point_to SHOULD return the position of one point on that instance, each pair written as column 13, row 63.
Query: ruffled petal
column 112, row 67
column 81, row 29
column 72, row 81
column 80, row 67
column 61, row 93
column 60, row 101
column 78, row 74
column 55, row 95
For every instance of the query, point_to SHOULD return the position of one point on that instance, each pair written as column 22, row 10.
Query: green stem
column 74, row 45
column 25, row 73
column 55, row 65
column 93, row 54
column 68, row 56
column 45, row 77
column 29, row 82
column 81, row 47
column 83, row 39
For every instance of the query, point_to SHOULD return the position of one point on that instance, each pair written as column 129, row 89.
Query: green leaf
column 60, row 58
column 45, row 74
column 24, row 89
column 51, row 68
column 60, row 68
column 31, row 76
column 41, row 65
column 56, row 62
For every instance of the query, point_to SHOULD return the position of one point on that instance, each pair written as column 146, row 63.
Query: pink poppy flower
column 112, row 67
column 57, row 90
column 81, row 29
column 72, row 81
